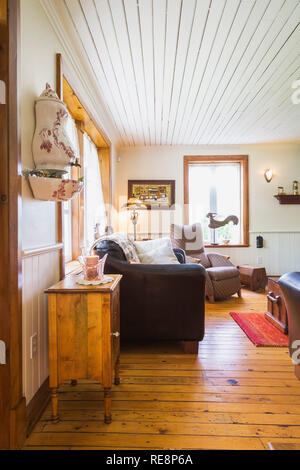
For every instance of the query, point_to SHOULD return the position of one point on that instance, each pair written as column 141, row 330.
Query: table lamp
column 134, row 205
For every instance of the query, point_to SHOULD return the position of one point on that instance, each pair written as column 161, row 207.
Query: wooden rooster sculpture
column 213, row 223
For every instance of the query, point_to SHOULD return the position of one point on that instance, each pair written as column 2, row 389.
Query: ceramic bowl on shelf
column 54, row 189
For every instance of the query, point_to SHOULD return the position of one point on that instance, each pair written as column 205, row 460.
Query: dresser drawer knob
column 116, row 334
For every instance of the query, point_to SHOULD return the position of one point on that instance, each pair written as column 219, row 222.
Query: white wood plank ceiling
column 193, row 71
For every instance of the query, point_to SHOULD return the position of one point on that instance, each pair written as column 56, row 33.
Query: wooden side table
column 84, row 336
column 254, row 277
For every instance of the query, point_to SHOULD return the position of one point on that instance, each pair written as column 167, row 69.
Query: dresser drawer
column 115, row 325
column 276, row 309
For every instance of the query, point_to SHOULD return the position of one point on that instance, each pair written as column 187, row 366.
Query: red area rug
column 259, row 330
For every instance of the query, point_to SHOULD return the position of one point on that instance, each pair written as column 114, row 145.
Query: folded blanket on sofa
column 125, row 243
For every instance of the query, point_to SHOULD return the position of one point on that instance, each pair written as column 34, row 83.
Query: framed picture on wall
column 155, row 194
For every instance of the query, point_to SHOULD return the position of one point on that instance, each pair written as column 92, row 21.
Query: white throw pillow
column 158, row 251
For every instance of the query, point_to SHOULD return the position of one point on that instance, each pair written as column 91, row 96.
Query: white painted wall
column 278, row 224
column 38, row 48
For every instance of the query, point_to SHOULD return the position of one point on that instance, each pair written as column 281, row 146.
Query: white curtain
column 71, row 132
column 94, row 202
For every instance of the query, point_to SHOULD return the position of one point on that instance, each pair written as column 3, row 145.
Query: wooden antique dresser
column 84, row 336
column 276, row 310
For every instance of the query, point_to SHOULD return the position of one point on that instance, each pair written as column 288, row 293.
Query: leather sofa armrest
column 290, row 286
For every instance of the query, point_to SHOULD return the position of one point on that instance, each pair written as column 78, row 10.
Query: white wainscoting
column 280, row 254
column 40, row 270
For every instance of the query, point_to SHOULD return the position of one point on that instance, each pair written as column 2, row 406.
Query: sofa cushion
column 158, row 251
column 220, row 273
column 190, row 239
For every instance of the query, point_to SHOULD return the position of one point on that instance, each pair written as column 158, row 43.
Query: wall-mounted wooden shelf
column 288, row 198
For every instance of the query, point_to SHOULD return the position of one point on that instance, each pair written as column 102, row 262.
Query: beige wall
column 39, row 46
column 279, row 225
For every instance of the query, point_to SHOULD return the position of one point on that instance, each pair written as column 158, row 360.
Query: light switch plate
column 33, row 345
column 2, row 92
column 2, row 353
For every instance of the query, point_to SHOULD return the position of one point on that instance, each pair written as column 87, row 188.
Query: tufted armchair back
column 222, row 277
column 190, row 239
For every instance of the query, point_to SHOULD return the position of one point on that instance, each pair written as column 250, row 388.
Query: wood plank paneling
column 280, row 253
column 40, row 270
column 191, row 71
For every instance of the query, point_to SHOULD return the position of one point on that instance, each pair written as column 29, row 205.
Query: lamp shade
column 134, row 203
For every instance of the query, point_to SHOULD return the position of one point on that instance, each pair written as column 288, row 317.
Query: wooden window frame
column 243, row 161
column 68, row 92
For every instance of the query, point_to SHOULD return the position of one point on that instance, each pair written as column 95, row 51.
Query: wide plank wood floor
column 231, row 396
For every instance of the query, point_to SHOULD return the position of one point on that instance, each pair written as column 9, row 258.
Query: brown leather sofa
column 290, row 286
column 158, row 302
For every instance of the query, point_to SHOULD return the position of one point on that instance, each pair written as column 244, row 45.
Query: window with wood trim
column 218, row 185
column 84, row 216
column 72, row 219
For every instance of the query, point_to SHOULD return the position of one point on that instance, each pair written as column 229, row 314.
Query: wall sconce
column 268, row 175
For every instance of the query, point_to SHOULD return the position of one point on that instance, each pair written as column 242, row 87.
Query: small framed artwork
column 155, row 194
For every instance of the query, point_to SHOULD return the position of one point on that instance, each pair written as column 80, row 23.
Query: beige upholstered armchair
column 222, row 277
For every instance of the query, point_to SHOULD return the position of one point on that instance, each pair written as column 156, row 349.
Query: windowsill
column 227, row 246
column 71, row 267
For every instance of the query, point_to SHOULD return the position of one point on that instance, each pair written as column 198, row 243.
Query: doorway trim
column 13, row 406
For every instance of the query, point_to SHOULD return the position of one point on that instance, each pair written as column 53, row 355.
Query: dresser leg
column 117, row 372
column 54, row 402
column 107, row 405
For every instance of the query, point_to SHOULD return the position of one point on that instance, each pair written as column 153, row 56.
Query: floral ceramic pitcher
column 52, row 149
